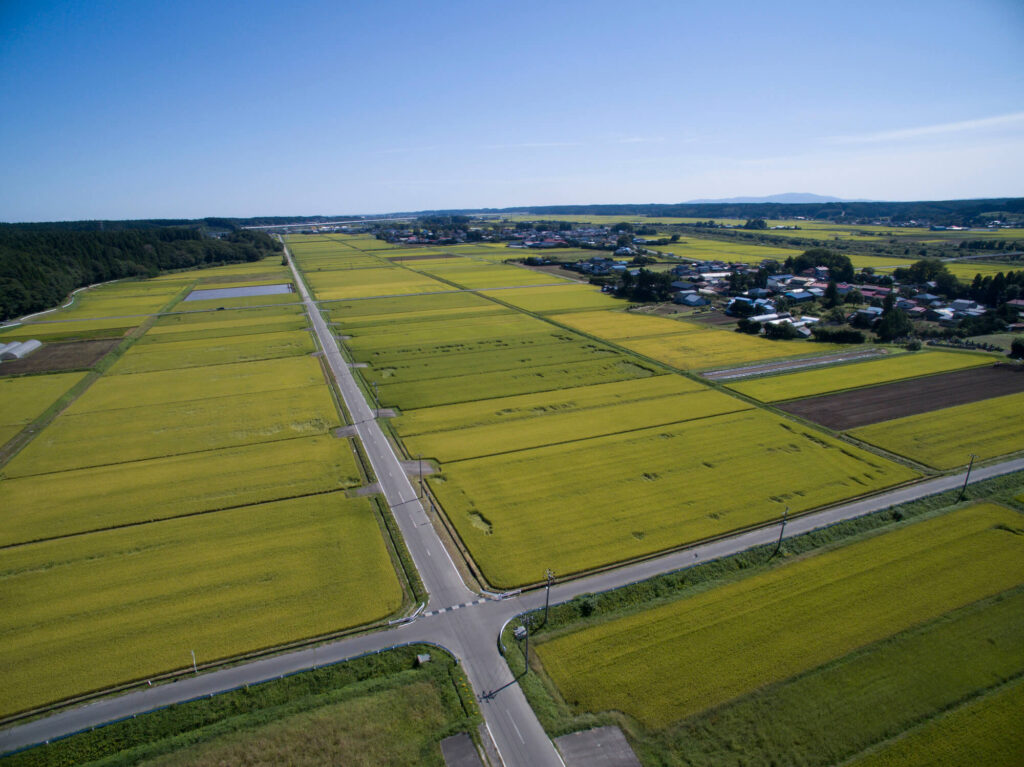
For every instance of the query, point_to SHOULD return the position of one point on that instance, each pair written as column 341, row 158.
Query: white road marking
column 521, row 740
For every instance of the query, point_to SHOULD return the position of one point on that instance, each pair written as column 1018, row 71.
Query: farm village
column 189, row 484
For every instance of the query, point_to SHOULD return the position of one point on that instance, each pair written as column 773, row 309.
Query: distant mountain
column 792, row 198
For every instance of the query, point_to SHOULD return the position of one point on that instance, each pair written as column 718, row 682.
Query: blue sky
column 144, row 109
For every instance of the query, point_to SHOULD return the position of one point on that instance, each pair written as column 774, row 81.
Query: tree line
column 40, row 266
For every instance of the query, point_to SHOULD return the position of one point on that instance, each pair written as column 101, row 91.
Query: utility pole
column 967, row 478
column 549, row 576
column 782, row 530
column 526, row 654
column 419, row 457
column 376, row 401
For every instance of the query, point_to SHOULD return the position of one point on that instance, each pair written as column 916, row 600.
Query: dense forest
column 41, row 264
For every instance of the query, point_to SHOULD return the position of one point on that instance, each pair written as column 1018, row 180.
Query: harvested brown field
column 849, row 410
column 54, row 358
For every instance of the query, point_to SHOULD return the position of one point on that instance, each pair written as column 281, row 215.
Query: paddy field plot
column 163, row 387
column 51, row 331
column 713, row 348
column 965, row 271
column 279, row 274
column 621, row 326
column 985, row 731
column 199, row 352
column 118, row 605
column 358, row 283
column 559, row 298
column 82, row 500
column 699, row 249
column 488, row 359
column 184, row 318
column 592, row 502
column 25, row 398
column 670, row 662
column 486, row 332
column 240, row 302
column 503, row 410
column 329, row 255
column 268, row 265
column 119, row 298
column 361, row 241
column 357, row 324
column 684, row 345
column 212, row 328
column 342, row 259
column 507, row 382
column 467, row 273
column 374, row 310
column 944, row 439
column 851, row 376
column 879, row 263
column 153, row 431
column 563, row 427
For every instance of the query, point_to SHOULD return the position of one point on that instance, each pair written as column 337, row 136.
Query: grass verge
column 194, row 732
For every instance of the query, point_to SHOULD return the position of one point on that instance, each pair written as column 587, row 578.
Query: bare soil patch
column 59, row 357
column 849, row 410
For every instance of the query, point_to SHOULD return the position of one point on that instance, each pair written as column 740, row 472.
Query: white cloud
column 964, row 126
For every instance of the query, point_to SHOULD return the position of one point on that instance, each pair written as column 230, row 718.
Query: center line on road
column 513, row 721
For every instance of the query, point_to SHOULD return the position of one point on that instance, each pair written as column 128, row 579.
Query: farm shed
column 18, row 351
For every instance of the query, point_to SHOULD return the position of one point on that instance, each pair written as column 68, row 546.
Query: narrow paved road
column 517, row 733
column 464, row 623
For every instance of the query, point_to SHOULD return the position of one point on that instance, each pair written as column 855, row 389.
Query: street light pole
column 376, row 401
column 419, row 457
column 967, row 478
column 195, row 670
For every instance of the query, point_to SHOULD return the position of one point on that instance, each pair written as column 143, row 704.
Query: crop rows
column 670, row 662
column 985, row 731
column 130, row 603
column 945, row 438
